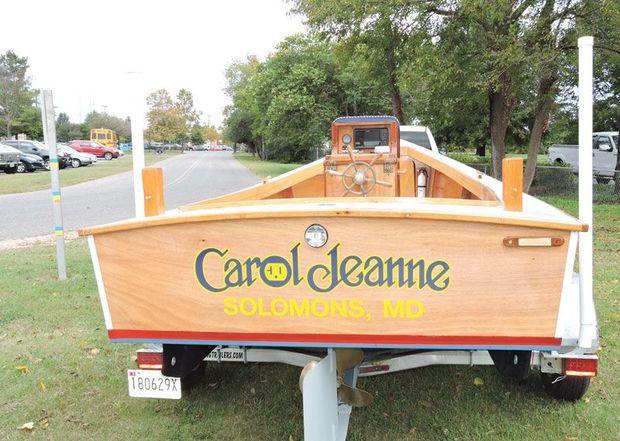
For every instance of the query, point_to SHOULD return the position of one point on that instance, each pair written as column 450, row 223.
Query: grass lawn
column 59, row 371
column 20, row 183
column 263, row 169
column 471, row 158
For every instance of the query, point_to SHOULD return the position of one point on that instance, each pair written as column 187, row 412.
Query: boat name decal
column 353, row 271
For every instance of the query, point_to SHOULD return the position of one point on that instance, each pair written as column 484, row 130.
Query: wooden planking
column 444, row 187
column 512, row 183
column 471, row 212
column 265, row 189
column 460, row 173
column 153, row 185
column 287, row 193
column 494, row 290
column 310, row 188
column 407, row 178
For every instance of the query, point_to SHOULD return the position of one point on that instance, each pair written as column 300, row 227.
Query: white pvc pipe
column 137, row 139
column 586, row 303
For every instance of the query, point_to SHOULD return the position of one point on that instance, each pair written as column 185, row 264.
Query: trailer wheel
column 603, row 180
column 565, row 388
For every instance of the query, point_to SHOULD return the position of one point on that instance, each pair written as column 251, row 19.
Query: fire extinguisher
column 422, row 179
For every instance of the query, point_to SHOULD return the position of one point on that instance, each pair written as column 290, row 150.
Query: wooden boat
column 389, row 256
column 472, row 264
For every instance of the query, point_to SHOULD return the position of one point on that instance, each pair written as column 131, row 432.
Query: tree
column 171, row 120
column 67, row 131
column 210, row 133
column 29, row 122
column 384, row 27
column 164, row 119
column 185, row 106
column 15, row 92
column 239, row 118
column 296, row 95
column 196, row 136
column 97, row 120
column 520, row 48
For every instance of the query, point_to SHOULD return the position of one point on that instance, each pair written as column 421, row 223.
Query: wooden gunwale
column 269, row 187
column 467, row 177
column 411, row 208
column 455, row 170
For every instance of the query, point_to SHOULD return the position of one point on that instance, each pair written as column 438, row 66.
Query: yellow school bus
column 106, row 137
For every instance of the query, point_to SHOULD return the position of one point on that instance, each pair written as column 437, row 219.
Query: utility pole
column 49, row 133
column 137, row 140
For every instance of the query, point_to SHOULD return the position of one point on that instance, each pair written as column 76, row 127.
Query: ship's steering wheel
column 359, row 177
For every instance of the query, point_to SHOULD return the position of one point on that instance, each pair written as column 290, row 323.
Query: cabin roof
column 384, row 119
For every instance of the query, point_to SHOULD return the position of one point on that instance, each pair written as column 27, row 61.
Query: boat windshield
column 371, row 137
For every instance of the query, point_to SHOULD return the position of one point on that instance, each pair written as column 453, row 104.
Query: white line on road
column 186, row 172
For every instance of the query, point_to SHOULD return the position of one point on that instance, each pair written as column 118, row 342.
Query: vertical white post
column 49, row 136
column 586, row 305
column 137, row 139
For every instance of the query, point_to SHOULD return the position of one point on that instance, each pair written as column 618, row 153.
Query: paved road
column 187, row 178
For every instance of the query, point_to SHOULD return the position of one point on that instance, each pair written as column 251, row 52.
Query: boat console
column 364, row 159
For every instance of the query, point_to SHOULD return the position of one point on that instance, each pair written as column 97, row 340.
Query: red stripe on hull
column 462, row 340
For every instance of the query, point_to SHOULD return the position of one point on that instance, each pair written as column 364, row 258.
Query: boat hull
column 377, row 282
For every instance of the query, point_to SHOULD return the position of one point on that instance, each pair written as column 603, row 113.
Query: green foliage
column 67, row 131
column 103, row 120
column 16, row 96
column 29, row 122
column 282, row 108
column 196, row 136
column 171, row 120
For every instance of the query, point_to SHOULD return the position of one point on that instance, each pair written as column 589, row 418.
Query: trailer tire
column 567, row 388
column 603, row 180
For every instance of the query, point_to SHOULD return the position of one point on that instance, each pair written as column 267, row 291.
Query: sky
column 90, row 47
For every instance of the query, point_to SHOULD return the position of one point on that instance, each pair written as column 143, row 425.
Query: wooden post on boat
column 153, row 184
column 512, row 179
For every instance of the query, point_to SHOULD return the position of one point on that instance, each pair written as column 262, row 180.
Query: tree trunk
column 8, row 129
column 544, row 101
column 395, row 96
column 617, row 175
column 500, row 106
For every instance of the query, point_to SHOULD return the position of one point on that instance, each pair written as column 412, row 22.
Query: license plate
column 145, row 383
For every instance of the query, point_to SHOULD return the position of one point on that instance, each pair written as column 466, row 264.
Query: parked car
column 604, row 157
column 9, row 160
column 94, row 148
column 78, row 159
column 418, row 135
column 27, row 163
column 37, row 148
